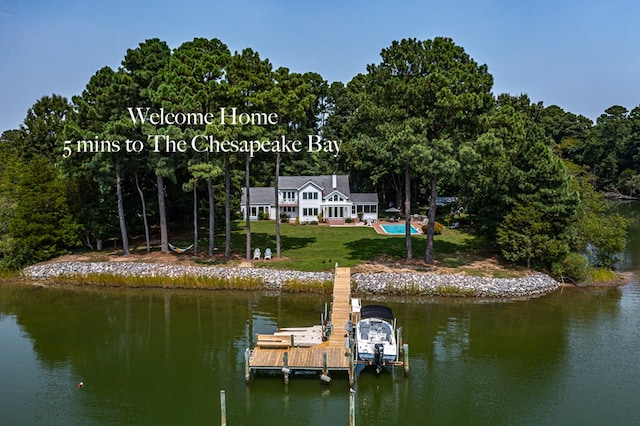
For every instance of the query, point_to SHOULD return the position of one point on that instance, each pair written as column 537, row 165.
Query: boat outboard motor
column 378, row 354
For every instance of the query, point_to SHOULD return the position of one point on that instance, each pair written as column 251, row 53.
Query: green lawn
column 318, row 248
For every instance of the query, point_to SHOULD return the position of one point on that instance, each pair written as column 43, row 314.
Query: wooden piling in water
column 325, row 371
column 352, row 368
column 247, row 369
column 223, row 408
column 285, row 368
column 352, row 407
column 405, row 358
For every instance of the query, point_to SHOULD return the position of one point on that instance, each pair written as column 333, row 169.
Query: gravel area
column 373, row 283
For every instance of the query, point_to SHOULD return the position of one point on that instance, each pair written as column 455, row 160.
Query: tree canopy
column 414, row 112
column 130, row 155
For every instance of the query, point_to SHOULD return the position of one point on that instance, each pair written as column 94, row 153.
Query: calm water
column 162, row 357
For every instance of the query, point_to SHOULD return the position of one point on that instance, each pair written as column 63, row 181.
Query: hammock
column 178, row 249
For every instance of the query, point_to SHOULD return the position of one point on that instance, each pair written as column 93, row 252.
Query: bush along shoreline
column 135, row 274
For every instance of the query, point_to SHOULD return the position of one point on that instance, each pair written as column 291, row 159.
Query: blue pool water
column 398, row 229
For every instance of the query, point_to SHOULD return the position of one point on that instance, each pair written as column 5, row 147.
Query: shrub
column 437, row 228
column 263, row 215
column 284, row 218
column 348, row 220
column 573, row 267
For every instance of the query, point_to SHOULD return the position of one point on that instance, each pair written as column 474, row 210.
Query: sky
column 583, row 56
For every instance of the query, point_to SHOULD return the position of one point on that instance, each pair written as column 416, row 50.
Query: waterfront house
column 307, row 197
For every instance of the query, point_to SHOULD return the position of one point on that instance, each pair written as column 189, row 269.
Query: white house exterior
column 306, row 197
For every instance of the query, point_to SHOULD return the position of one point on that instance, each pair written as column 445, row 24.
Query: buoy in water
column 81, row 384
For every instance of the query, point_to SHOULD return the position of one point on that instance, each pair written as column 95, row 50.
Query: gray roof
column 324, row 181
column 265, row 196
column 364, row 197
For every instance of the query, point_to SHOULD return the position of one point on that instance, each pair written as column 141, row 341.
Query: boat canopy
column 376, row 311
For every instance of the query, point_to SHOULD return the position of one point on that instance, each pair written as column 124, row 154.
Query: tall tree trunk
column 212, row 216
column 164, row 235
column 397, row 186
column 407, row 210
column 428, row 252
column 277, row 206
column 227, row 207
column 123, row 225
column 382, row 189
column 248, row 205
column 144, row 214
column 195, row 218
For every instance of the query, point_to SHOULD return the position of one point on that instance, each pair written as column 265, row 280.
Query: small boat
column 376, row 336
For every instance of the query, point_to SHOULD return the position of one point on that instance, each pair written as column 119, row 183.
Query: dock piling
column 405, row 358
column 223, row 408
column 325, row 371
column 352, row 375
column 247, row 369
column 285, row 368
column 352, row 407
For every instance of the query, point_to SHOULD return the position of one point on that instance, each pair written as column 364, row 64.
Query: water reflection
column 153, row 356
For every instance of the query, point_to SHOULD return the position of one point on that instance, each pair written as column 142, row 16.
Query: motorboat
column 375, row 336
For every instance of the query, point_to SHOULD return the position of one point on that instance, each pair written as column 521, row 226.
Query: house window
column 309, row 195
column 288, row 196
column 254, row 211
column 353, row 210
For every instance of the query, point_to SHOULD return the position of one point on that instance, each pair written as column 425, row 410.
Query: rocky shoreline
column 371, row 283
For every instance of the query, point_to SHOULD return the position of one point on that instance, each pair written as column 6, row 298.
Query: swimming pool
column 398, row 229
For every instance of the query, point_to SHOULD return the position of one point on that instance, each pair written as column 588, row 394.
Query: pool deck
column 377, row 226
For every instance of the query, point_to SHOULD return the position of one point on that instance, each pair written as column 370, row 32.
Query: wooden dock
column 321, row 348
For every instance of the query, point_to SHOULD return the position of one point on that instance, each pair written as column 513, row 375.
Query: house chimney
column 334, row 181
